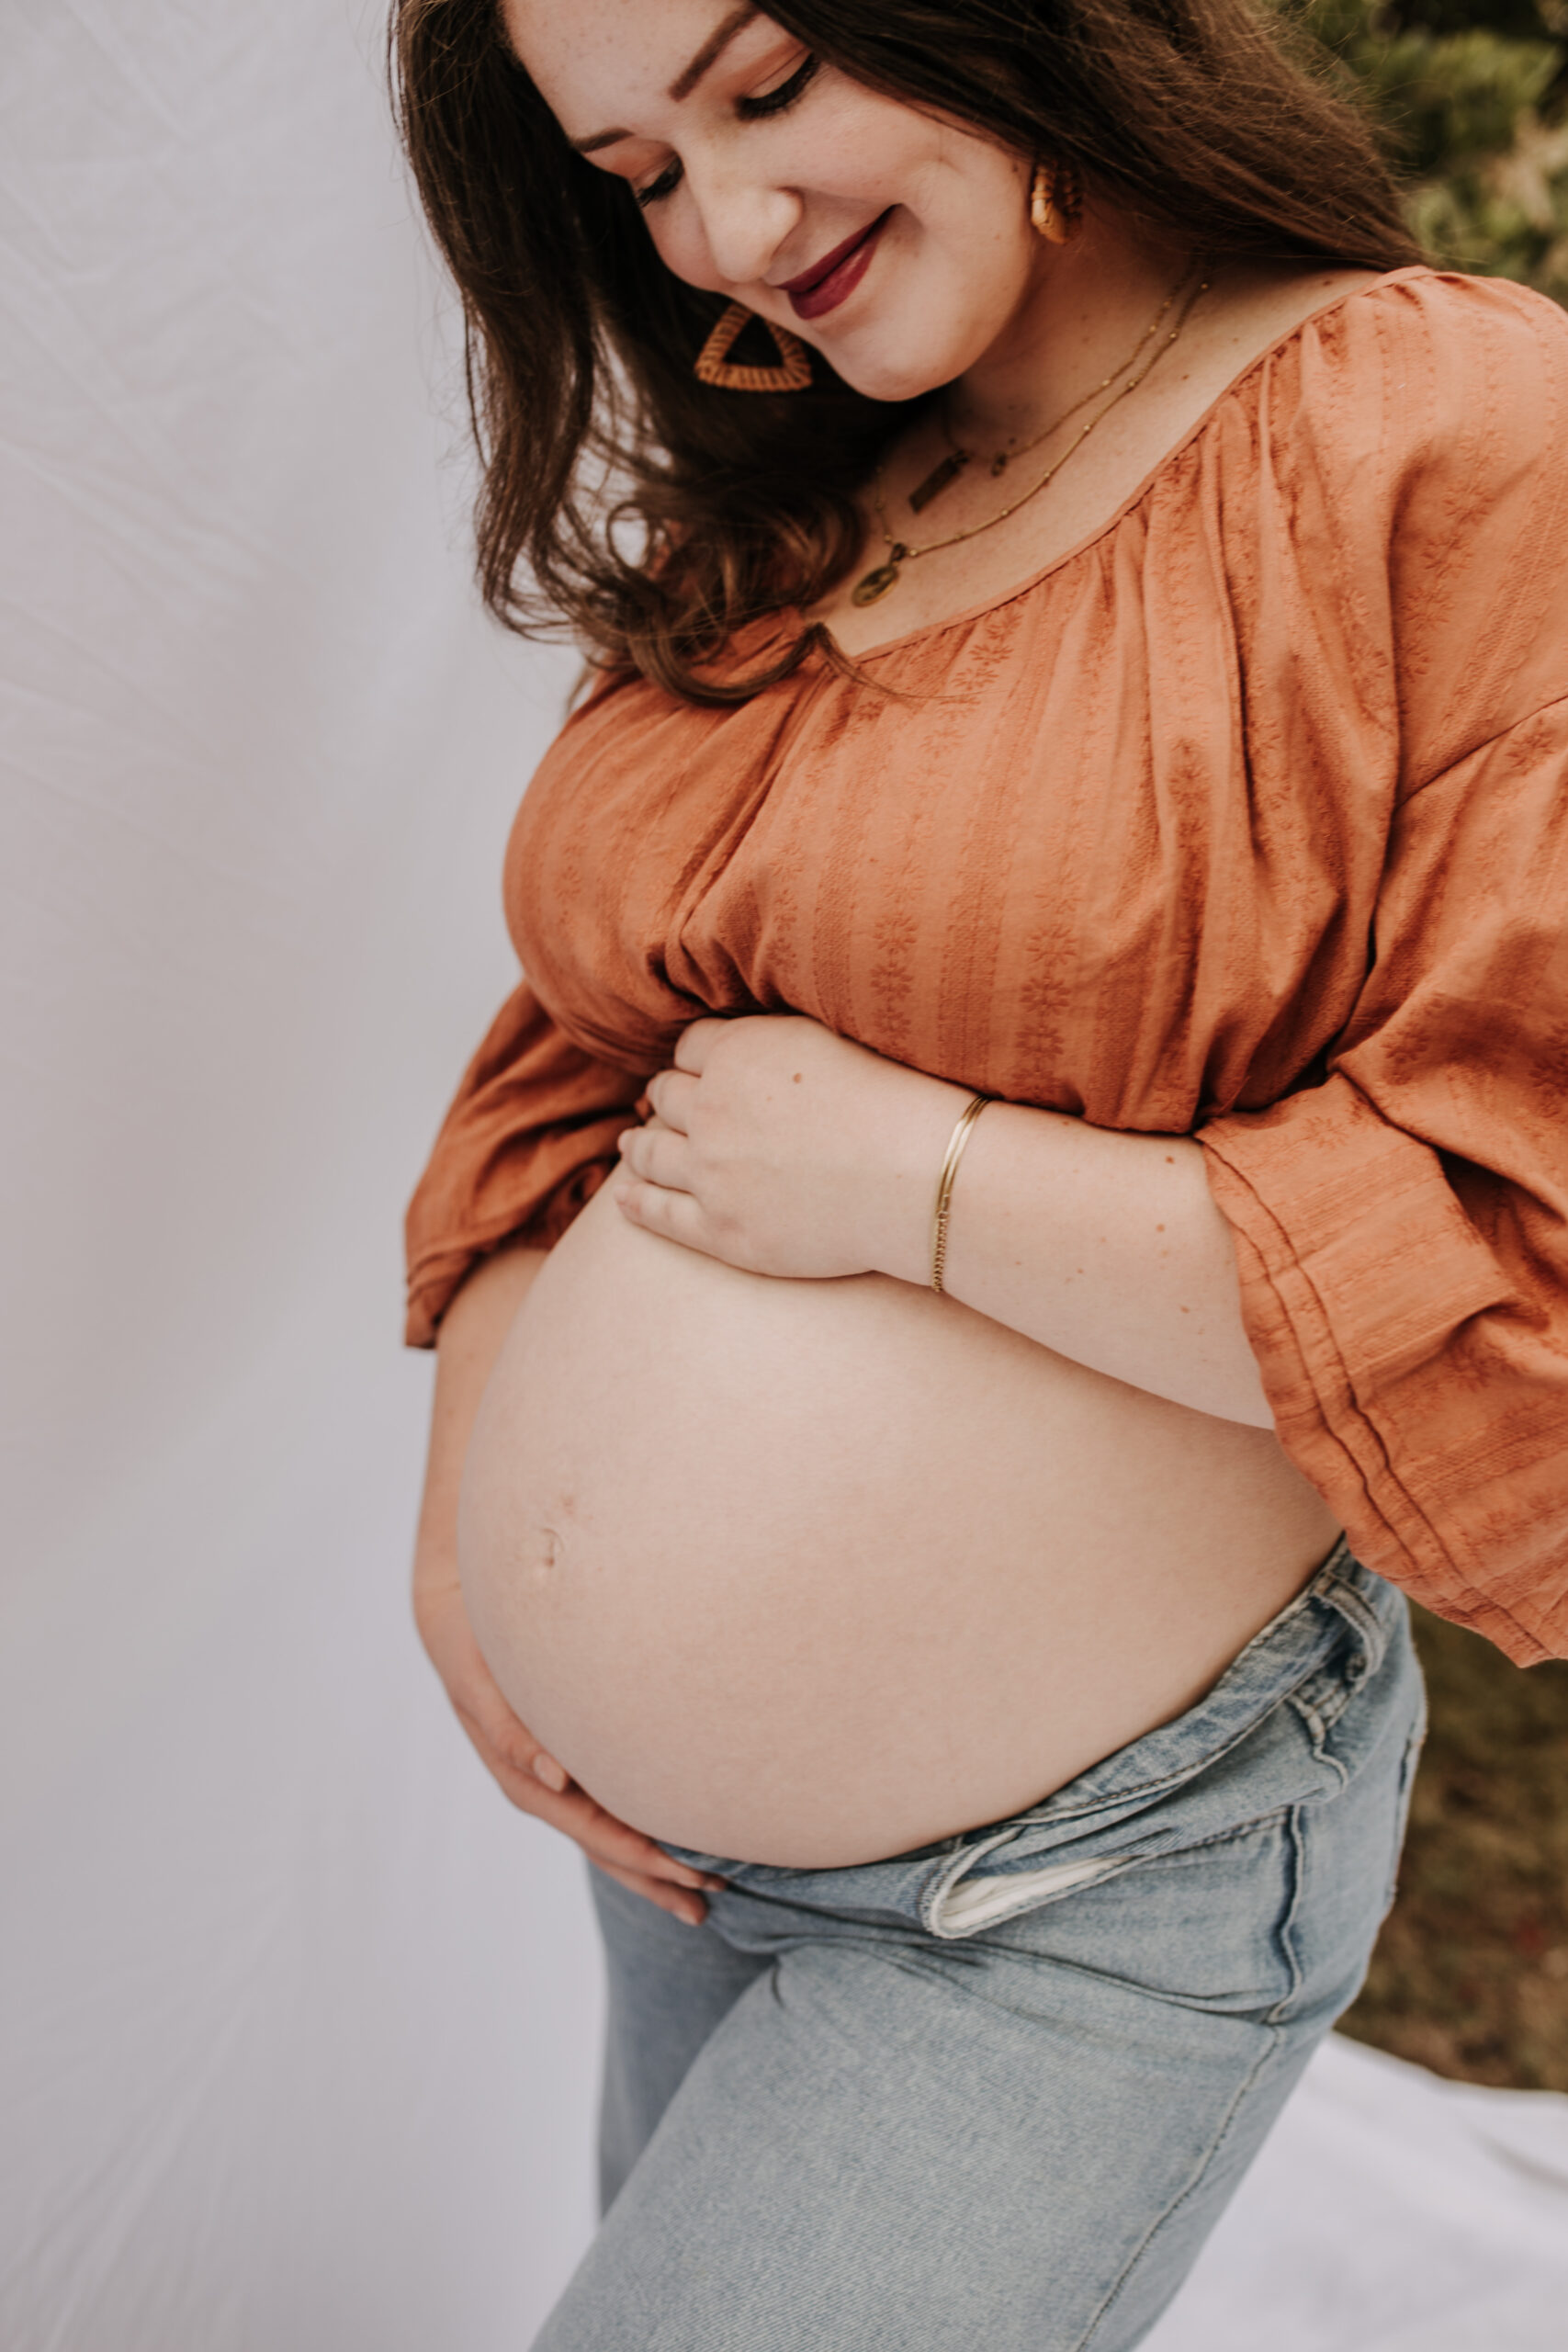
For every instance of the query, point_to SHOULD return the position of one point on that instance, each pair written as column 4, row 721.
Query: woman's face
column 899, row 245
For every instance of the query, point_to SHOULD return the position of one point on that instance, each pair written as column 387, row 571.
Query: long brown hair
column 1192, row 116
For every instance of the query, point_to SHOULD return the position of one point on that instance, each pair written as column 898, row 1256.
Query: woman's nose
column 745, row 224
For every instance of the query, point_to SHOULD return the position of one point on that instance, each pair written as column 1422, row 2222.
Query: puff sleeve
column 1402, row 1228
column 527, row 1142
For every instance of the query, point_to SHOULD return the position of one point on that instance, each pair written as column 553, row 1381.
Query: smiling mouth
column 832, row 279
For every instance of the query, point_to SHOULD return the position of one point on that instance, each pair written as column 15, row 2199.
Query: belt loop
column 1338, row 1591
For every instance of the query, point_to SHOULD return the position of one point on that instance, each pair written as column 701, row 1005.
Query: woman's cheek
column 682, row 247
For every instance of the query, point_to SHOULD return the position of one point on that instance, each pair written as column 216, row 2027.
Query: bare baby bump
column 810, row 1572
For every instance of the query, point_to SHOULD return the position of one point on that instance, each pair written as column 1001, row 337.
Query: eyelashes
column 771, row 102
column 669, row 180
column 779, row 101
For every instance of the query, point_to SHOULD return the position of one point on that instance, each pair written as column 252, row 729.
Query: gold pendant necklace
column 947, row 469
column 884, row 576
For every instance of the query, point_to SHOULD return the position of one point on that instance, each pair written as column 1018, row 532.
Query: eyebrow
column 686, row 80
column 716, row 42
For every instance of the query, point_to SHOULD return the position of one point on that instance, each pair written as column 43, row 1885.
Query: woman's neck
column 1089, row 304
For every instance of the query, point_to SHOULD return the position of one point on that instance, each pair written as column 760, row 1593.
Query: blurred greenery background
column 1470, row 1977
column 1470, row 1973
column 1473, row 98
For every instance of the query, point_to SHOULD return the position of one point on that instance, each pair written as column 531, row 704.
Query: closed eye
column 669, row 180
column 778, row 101
column 758, row 109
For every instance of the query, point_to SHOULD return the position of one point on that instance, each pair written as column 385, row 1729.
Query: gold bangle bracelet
column 960, row 1137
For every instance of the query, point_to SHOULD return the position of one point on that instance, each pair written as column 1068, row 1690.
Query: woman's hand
column 470, row 1337
column 534, row 1781
column 785, row 1150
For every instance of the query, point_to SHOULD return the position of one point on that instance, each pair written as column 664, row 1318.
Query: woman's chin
column 881, row 376
column 886, row 362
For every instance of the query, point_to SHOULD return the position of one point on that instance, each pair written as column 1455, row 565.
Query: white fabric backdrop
column 298, row 2019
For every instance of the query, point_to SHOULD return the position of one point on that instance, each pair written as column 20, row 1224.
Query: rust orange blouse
column 1247, row 819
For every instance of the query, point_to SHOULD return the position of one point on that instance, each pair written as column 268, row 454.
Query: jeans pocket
column 1208, row 1926
column 959, row 1905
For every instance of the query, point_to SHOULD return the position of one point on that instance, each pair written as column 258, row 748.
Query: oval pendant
column 875, row 583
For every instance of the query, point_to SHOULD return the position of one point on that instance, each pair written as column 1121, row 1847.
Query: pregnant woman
column 1024, row 1196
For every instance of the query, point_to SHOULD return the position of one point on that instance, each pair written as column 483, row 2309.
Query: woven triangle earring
column 712, row 363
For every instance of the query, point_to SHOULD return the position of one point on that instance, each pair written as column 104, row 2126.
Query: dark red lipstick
column 833, row 279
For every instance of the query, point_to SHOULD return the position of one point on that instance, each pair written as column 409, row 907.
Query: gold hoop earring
column 712, row 363
column 1055, row 202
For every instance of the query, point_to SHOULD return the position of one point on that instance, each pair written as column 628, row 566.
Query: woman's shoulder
column 1416, row 431
column 1474, row 364
column 1456, row 307
column 1424, row 367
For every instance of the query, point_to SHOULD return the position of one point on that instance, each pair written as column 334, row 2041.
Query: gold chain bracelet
column 960, row 1137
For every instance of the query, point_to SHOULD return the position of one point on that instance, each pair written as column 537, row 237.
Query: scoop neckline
column 1135, row 496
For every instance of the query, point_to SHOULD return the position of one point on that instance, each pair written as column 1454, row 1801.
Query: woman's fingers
column 695, row 1043
column 671, row 1094
column 690, row 1908
column 504, row 1749
column 505, row 1744
column 658, row 1154
column 664, row 1209
column 527, row 1774
column 499, row 1735
column 615, row 1845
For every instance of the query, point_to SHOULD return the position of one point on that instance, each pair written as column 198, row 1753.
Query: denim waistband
column 1319, row 1649
column 1343, row 1616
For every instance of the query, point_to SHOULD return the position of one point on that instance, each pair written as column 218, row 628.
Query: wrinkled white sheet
column 298, row 2021
column 1390, row 2213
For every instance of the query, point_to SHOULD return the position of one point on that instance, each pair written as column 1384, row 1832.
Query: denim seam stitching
column 1415, row 1741
column 1319, row 1726
column 1324, row 1700
column 1358, row 1612
column 1275, row 2041
column 1215, row 1837
column 1286, row 1934
column 1188, row 2191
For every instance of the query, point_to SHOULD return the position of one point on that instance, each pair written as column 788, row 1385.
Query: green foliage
column 1470, row 96
column 1470, row 1973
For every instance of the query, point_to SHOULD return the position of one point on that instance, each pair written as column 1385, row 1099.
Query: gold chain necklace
column 884, row 576
column 947, row 469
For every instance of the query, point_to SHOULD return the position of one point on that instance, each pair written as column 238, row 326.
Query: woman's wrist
column 913, row 1126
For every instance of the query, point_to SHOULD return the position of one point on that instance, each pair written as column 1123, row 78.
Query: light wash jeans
column 995, row 2093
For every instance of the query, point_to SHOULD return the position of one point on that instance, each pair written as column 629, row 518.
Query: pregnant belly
column 811, row 1572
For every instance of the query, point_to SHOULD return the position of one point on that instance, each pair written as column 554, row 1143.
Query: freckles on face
column 604, row 64
column 756, row 163
column 669, row 96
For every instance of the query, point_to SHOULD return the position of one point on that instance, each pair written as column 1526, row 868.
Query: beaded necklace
column 884, row 576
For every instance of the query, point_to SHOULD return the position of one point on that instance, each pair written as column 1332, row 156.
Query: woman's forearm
column 787, row 1149
column 1104, row 1246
